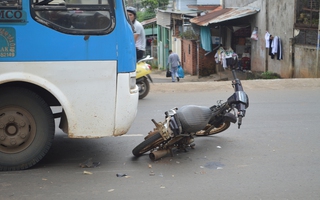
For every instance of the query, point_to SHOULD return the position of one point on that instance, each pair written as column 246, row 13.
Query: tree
column 152, row 5
column 141, row 16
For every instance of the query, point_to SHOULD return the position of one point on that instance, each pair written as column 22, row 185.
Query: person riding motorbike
column 143, row 77
column 139, row 34
column 143, row 69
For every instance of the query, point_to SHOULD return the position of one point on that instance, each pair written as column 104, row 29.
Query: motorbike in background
column 182, row 125
column 143, row 77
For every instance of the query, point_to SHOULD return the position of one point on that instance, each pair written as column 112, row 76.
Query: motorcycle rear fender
column 142, row 70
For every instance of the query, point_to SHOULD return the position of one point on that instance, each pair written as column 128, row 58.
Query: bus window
column 9, row 3
column 79, row 17
column 88, row 1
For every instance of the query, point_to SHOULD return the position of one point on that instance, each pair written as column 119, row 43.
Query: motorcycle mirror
column 145, row 59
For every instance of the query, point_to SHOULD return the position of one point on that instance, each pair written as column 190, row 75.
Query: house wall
column 176, row 46
column 182, row 4
column 189, row 56
column 201, row 64
column 163, row 46
column 280, row 23
column 237, row 3
column 259, row 52
column 207, row 64
column 278, row 19
column 306, row 66
column 205, row 2
column 175, row 39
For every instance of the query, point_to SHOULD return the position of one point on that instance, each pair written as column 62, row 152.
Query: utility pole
column 317, row 63
column 267, row 29
column 222, row 3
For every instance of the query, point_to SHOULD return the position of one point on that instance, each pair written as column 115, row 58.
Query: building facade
column 294, row 24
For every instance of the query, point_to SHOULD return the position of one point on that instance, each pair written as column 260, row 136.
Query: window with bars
column 307, row 21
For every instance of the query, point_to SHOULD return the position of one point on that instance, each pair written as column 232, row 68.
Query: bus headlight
column 132, row 81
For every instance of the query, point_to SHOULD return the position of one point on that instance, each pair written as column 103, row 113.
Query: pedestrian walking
column 173, row 62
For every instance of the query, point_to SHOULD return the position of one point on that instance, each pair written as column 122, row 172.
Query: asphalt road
column 275, row 154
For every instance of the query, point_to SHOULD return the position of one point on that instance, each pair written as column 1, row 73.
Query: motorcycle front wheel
column 144, row 87
column 150, row 143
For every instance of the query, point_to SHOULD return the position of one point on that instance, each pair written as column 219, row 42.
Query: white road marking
column 132, row 135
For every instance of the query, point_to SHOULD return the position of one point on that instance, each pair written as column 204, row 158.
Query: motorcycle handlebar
column 147, row 58
column 238, row 100
column 242, row 102
column 234, row 74
column 239, row 121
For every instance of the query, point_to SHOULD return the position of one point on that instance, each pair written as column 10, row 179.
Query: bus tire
column 26, row 128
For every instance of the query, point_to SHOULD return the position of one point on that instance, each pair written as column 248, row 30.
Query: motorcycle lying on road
column 182, row 125
column 143, row 71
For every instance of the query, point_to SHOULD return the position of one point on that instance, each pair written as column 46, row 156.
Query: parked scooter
column 143, row 71
column 183, row 124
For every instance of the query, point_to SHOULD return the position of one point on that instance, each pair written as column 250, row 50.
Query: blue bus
column 73, row 56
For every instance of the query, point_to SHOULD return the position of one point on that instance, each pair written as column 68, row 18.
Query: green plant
column 189, row 35
column 152, row 5
column 270, row 75
column 141, row 16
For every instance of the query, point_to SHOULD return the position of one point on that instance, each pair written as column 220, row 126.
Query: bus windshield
column 76, row 16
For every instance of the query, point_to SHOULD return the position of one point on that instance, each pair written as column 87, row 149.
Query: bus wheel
column 26, row 128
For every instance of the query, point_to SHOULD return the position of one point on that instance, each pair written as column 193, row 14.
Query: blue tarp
column 205, row 37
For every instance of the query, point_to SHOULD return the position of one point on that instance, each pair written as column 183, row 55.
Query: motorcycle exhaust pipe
column 155, row 155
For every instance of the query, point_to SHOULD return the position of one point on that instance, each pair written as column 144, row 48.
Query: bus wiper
column 45, row 2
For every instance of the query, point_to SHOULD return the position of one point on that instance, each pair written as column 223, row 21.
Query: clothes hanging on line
column 226, row 57
column 267, row 38
column 270, row 49
column 275, row 47
column 220, row 57
column 279, row 54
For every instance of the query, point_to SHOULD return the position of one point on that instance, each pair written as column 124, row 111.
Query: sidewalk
column 160, row 76
column 222, row 81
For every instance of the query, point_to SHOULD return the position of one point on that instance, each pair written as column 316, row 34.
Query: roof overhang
column 203, row 7
column 181, row 12
column 149, row 21
column 223, row 14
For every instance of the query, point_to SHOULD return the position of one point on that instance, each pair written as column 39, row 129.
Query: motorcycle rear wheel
column 150, row 143
column 215, row 131
column 144, row 87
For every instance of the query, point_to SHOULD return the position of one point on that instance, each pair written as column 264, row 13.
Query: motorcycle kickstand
column 171, row 153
